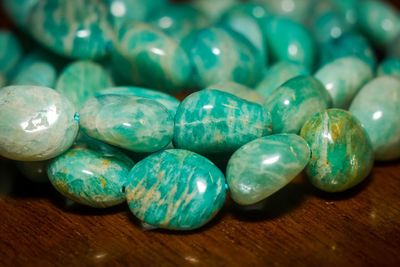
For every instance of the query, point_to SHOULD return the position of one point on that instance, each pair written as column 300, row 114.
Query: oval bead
column 139, row 125
column 390, row 66
column 11, row 52
column 342, row 154
column 211, row 121
column 377, row 106
column 148, row 57
column 295, row 102
column 175, row 189
column 238, row 90
column 343, row 78
column 263, row 166
column 36, row 123
column 90, row 176
column 82, row 80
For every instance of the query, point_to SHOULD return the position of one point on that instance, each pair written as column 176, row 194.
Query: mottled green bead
column 297, row 10
column 348, row 8
column 148, row 57
column 295, row 102
column 211, row 121
column 136, row 124
column 390, row 66
column 342, row 154
column 263, row 166
column 36, row 123
column 10, row 52
column 343, row 78
column 175, row 189
column 66, row 28
column 377, row 106
column 277, row 74
column 330, row 25
column 214, row 9
column 18, row 10
column 238, row 90
column 81, row 80
column 168, row 101
column 220, row 56
column 91, row 177
column 36, row 171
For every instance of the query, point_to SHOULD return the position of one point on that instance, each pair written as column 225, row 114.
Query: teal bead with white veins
column 37, row 123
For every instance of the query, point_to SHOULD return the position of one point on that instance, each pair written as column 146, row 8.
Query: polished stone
column 330, row 25
column 342, row 154
column 81, row 80
column 214, row 9
column 390, row 66
column 277, row 74
column 238, row 90
column 10, row 52
column 211, row 121
column 343, row 78
column 377, row 106
column 36, row 171
column 297, row 10
column 175, row 189
column 19, row 10
column 295, row 102
column 36, row 123
column 136, row 124
column 90, row 176
column 263, row 166
column 150, row 58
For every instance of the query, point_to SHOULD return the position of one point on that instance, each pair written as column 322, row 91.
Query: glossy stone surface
column 219, row 56
column 295, row 102
column 390, row 66
column 277, row 74
column 342, row 154
column 343, row 78
column 289, row 41
column 168, row 101
column 214, row 9
column 18, row 10
column 175, row 189
column 238, row 90
column 263, row 166
column 66, row 29
column 36, row 171
column 377, row 106
column 90, row 176
column 211, row 121
column 36, row 123
column 330, row 25
column 81, row 80
column 379, row 21
column 10, row 52
column 297, row 10
column 139, row 125
column 148, row 57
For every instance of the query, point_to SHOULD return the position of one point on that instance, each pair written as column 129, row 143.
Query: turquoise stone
column 91, row 176
column 297, row 10
column 10, row 52
column 379, row 21
column 168, row 101
column 217, row 56
column 36, row 171
column 238, row 90
column 211, row 121
column 136, row 124
column 214, row 9
column 66, row 28
column 377, row 107
column 277, row 74
column 175, row 189
column 148, row 57
column 36, row 123
column 390, row 66
column 343, row 78
column 19, row 10
column 263, row 166
column 295, row 102
column 82, row 80
column 342, row 154
column 348, row 8
column 330, row 25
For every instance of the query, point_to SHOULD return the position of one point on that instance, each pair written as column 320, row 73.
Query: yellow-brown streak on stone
column 103, row 181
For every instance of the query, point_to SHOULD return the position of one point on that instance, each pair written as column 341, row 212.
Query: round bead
column 10, row 52
column 36, row 123
column 263, row 166
column 175, row 189
column 342, row 154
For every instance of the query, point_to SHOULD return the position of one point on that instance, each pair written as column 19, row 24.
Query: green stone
column 36, row 171
column 377, row 106
column 263, row 166
column 343, row 78
column 390, row 66
column 277, row 74
column 81, row 80
column 211, row 121
column 90, row 176
column 330, row 25
column 10, row 52
column 37, row 123
column 214, row 9
column 297, row 10
column 295, row 102
column 175, row 189
column 18, row 11
column 135, row 124
column 238, row 90
column 342, row 154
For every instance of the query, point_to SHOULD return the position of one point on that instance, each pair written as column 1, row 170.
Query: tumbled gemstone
column 10, row 52
column 238, row 90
